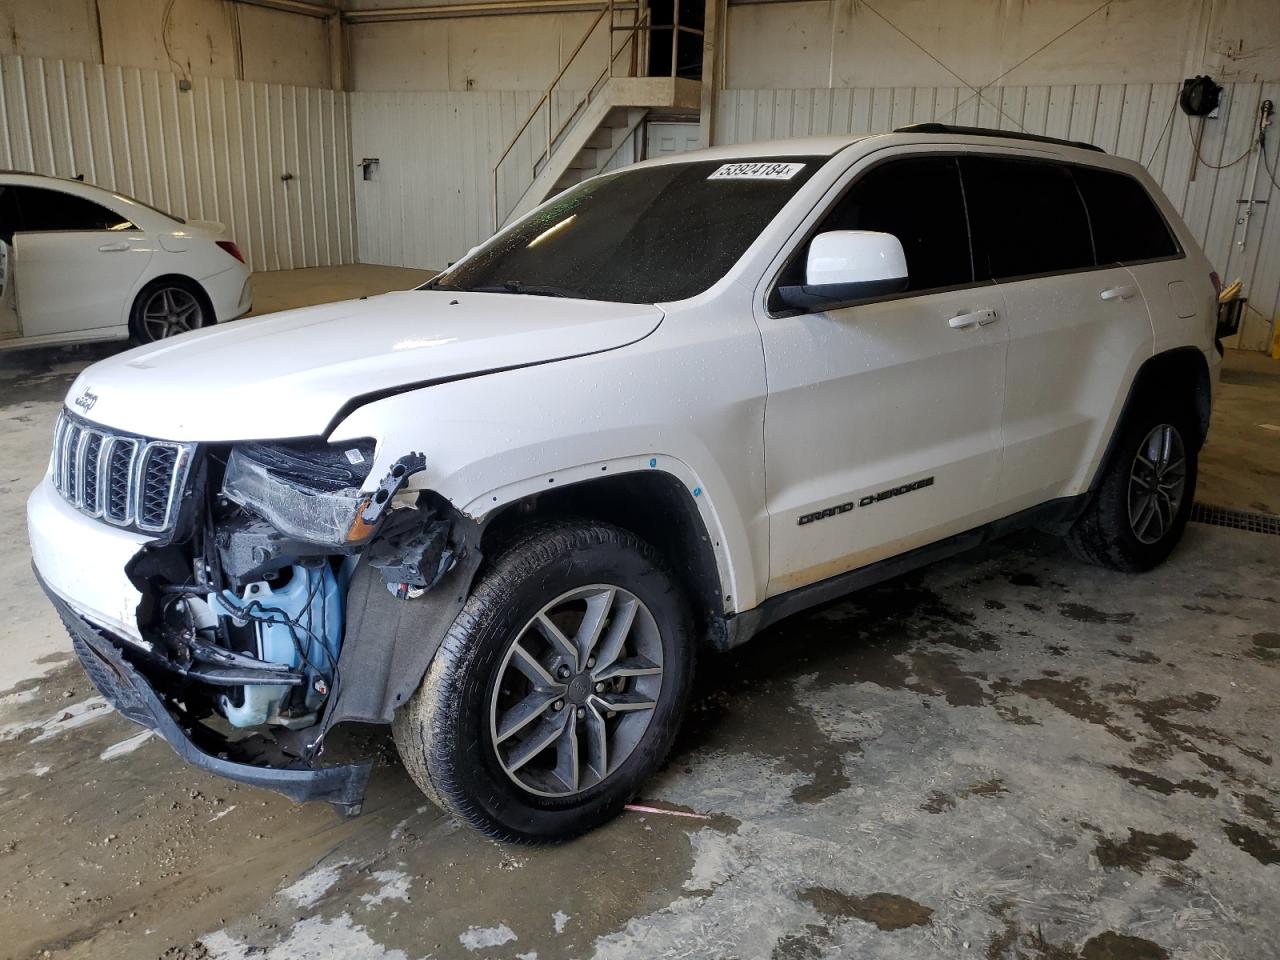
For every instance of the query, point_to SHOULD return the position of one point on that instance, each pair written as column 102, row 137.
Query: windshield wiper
column 526, row 289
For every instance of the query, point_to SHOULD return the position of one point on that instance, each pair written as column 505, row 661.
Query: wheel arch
column 1166, row 373
column 656, row 506
column 182, row 279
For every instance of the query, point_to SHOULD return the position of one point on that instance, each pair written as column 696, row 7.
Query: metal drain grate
column 1236, row 519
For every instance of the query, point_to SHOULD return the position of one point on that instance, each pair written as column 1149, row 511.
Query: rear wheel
column 1140, row 509
column 558, row 689
column 165, row 308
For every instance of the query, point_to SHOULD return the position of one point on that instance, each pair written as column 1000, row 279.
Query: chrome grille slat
column 127, row 481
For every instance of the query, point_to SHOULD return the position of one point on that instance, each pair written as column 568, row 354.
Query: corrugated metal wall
column 216, row 152
column 430, row 198
column 1133, row 120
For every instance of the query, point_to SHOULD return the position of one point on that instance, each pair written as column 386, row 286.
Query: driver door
column 883, row 419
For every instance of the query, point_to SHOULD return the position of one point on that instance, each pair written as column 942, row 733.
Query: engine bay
column 245, row 602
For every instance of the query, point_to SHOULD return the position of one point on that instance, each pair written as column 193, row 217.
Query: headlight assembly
column 308, row 489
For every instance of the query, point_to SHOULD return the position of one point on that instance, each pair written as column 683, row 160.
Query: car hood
column 289, row 374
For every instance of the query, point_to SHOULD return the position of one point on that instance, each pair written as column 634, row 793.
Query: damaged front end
column 283, row 595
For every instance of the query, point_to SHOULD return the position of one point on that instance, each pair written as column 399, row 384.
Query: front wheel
column 1141, row 507
column 558, row 689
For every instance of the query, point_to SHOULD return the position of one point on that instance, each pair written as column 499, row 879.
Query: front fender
column 495, row 439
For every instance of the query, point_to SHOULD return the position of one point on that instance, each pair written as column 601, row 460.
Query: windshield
column 640, row 236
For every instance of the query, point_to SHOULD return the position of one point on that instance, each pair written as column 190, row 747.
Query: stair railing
column 634, row 36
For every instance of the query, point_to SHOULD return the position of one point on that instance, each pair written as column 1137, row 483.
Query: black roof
column 988, row 132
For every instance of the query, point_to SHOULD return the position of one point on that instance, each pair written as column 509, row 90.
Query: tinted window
column 8, row 213
column 1027, row 218
column 639, row 236
column 1127, row 226
column 54, row 210
column 919, row 201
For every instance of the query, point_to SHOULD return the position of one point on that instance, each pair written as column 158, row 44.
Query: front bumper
column 126, row 689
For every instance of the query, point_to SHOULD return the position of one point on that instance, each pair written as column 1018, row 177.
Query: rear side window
column 1027, row 218
column 42, row 209
column 1127, row 226
column 920, row 202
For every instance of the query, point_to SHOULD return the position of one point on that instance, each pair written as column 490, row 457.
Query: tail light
column 1213, row 278
column 231, row 248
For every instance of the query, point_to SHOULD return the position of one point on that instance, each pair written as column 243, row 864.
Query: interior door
column 882, row 423
column 75, row 263
column 1078, row 326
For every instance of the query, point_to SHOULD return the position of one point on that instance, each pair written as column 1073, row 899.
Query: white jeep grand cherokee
column 668, row 407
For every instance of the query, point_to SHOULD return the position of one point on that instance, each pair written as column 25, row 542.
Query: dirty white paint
column 203, row 37
column 471, row 54
column 558, row 920
column 313, row 938
column 393, row 885
column 845, row 43
column 480, row 938
column 126, row 746
column 216, row 152
column 310, row 887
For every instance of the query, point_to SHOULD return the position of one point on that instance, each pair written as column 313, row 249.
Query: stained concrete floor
column 1009, row 755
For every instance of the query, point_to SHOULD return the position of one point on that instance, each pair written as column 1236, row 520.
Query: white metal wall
column 1132, row 120
column 430, row 198
column 216, row 152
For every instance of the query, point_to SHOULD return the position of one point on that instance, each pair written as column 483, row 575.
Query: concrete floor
column 1009, row 755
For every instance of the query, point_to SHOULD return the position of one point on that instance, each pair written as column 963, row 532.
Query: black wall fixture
column 1200, row 96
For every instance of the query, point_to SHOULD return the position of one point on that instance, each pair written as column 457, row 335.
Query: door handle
column 1118, row 293
column 118, row 247
column 978, row 318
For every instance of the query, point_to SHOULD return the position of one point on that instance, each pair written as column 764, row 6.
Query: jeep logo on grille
column 86, row 400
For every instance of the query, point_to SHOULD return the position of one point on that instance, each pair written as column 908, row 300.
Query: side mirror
column 847, row 265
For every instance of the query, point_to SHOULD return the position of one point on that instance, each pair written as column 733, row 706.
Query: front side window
column 42, row 210
column 641, row 236
column 1127, row 226
column 1027, row 218
column 917, row 200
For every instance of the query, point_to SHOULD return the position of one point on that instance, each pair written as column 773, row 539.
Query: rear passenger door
column 75, row 263
column 1078, row 330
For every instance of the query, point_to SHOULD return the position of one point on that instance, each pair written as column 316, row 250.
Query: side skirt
column 1055, row 516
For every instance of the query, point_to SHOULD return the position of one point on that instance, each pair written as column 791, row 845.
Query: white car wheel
column 166, row 310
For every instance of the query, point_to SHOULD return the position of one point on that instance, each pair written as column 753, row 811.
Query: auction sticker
column 757, row 170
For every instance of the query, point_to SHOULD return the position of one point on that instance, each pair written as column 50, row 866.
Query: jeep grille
column 125, row 480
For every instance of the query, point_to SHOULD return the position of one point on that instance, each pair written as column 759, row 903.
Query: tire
column 454, row 735
column 1115, row 530
column 166, row 307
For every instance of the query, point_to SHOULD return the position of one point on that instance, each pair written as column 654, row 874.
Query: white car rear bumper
column 231, row 292
column 82, row 560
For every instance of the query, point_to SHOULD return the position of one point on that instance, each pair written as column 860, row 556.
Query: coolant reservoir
column 298, row 624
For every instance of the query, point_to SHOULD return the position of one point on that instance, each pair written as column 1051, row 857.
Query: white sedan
column 79, row 263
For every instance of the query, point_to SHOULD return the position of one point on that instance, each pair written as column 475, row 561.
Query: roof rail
column 989, row 132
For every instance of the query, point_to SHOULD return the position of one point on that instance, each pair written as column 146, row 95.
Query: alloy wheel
column 169, row 311
column 576, row 690
column 1157, row 483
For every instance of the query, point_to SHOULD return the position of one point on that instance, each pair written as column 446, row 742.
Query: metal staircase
column 573, row 134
